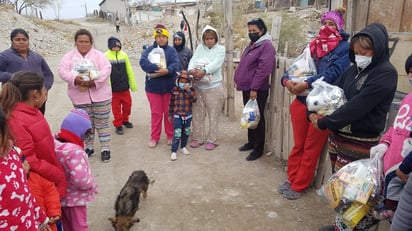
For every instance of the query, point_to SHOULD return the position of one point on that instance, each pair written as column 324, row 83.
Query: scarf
column 327, row 40
column 68, row 136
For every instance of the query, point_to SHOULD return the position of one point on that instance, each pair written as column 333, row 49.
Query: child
column 395, row 147
column 180, row 111
column 15, row 194
column 81, row 185
column 122, row 78
column 46, row 195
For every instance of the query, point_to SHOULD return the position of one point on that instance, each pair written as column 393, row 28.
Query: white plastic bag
column 251, row 116
column 303, row 67
column 157, row 56
column 325, row 98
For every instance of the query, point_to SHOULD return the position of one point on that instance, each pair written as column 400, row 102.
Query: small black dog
column 127, row 202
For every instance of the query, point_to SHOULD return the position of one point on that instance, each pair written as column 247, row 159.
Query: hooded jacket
column 122, row 76
column 163, row 84
column 185, row 54
column 369, row 91
column 256, row 65
column 213, row 57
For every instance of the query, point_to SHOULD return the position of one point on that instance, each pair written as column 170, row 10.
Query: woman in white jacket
column 206, row 68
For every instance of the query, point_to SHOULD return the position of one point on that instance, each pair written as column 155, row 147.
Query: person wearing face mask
column 369, row 87
column 252, row 78
column 329, row 51
column 180, row 113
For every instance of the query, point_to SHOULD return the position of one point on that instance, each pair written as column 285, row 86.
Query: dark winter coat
column 369, row 91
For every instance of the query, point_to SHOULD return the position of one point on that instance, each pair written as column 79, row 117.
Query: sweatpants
column 208, row 104
column 74, row 218
column 99, row 113
column 159, row 109
column 308, row 143
column 121, row 107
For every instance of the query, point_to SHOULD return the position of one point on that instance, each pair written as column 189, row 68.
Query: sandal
column 210, row 146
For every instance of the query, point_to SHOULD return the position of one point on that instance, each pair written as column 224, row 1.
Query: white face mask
column 362, row 61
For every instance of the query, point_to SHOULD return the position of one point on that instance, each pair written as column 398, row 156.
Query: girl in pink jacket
column 81, row 185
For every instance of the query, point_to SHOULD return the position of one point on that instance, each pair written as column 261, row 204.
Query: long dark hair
column 5, row 136
column 17, row 89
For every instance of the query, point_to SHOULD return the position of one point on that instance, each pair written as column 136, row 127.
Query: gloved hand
column 378, row 151
column 407, row 147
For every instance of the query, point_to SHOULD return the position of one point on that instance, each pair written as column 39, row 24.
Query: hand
column 169, row 118
column 401, row 175
column 162, row 71
column 289, row 85
column 299, row 88
column 253, row 95
column 378, row 151
column 54, row 219
column 82, row 80
column 313, row 117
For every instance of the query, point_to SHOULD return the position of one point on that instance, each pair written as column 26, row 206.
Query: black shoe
column 106, row 156
column 246, row 147
column 119, row 130
column 327, row 228
column 128, row 124
column 90, row 152
column 253, row 156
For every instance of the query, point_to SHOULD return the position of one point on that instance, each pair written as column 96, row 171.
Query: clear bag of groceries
column 250, row 115
column 303, row 67
column 354, row 189
column 325, row 98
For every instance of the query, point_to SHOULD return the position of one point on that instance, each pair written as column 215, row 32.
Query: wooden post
column 227, row 6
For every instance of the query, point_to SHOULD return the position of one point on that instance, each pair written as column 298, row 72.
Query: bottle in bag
column 252, row 116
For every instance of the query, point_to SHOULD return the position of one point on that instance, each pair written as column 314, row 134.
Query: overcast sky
column 77, row 9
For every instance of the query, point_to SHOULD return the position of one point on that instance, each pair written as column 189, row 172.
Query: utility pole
column 227, row 6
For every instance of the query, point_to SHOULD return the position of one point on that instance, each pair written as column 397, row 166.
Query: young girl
column 81, row 186
column 21, row 97
column 18, row 208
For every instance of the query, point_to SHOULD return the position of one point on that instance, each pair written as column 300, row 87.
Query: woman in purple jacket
column 252, row 78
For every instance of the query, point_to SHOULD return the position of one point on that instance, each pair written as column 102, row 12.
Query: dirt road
column 208, row 190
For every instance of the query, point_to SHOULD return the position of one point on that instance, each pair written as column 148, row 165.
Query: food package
column 251, row 116
column 354, row 189
column 157, row 56
column 325, row 98
column 86, row 69
column 303, row 67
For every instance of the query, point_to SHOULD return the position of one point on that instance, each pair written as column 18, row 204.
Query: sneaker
column 185, row 151
column 128, row 124
column 210, row 146
column 284, row 187
column 328, row 228
column 246, row 147
column 152, row 144
column 195, row 144
column 292, row 195
column 173, row 156
column 119, row 130
column 253, row 156
column 169, row 142
column 90, row 152
column 106, row 156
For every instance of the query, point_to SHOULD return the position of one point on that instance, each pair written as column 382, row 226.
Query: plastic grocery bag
column 251, row 116
column 354, row 189
column 303, row 67
column 157, row 56
column 325, row 98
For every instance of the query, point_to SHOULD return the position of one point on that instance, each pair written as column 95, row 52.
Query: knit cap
column 160, row 30
column 114, row 42
column 334, row 16
column 408, row 64
column 77, row 122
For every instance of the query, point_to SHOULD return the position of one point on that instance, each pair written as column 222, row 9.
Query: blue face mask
column 181, row 85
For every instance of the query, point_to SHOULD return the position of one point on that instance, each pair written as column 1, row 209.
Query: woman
column 160, row 81
column 185, row 54
column 206, row 68
column 19, row 57
column 308, row 141
column 86, row 72
column 252, row 78
column 21, row 97
column 369, row 86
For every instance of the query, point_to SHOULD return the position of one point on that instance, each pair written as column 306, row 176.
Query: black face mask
column 254, row 36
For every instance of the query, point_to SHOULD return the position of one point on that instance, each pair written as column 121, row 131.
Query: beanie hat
column 408, row 64
column 113, row 42
column 77, row 122
column 334, row 16
column 160, row 30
